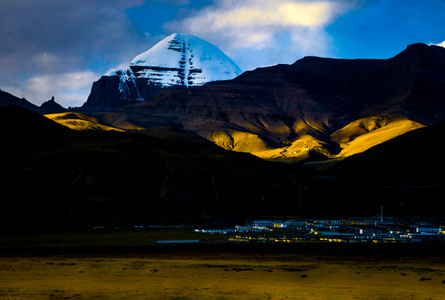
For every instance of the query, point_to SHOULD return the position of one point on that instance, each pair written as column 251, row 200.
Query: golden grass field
column 79, row 121
column 205, row 272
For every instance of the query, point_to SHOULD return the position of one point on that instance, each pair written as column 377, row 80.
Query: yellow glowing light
column 305, row 14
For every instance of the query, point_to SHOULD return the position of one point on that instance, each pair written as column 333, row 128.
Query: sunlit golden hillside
column 79, row 121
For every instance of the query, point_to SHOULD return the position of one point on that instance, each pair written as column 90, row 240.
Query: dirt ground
column 219, row 276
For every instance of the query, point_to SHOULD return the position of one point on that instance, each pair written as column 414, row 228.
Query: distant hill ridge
column 50, row 106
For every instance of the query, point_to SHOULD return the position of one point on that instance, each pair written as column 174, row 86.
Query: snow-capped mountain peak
column 177, row 60
column 184, row 59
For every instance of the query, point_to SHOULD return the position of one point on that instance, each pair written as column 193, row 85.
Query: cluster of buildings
column 352, row 230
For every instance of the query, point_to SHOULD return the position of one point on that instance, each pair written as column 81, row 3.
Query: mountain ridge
column 315, row 109
column 50, row 106
column 286, row 109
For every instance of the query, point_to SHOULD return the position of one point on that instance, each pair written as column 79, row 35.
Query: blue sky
column 381, row 29
column 59, row 48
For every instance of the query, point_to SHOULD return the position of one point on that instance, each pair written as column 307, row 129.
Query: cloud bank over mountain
column 275, row 31
column 51, row 47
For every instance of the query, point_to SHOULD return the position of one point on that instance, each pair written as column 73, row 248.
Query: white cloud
column 305, row 14
column 260, row 13
column 45, row 60
column 255, row 25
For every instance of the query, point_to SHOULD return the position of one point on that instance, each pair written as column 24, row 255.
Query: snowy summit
column 184, row 59
column 178, row 60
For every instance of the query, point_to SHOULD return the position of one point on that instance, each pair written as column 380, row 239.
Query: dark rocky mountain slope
column 412, row 159
column 409, row 166
column 316, row 106
column 54, row 178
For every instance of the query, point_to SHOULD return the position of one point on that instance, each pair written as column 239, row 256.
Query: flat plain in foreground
column 225, row 271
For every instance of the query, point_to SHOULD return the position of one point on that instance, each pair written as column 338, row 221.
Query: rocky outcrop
column 51, row 107
column 105, row 94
